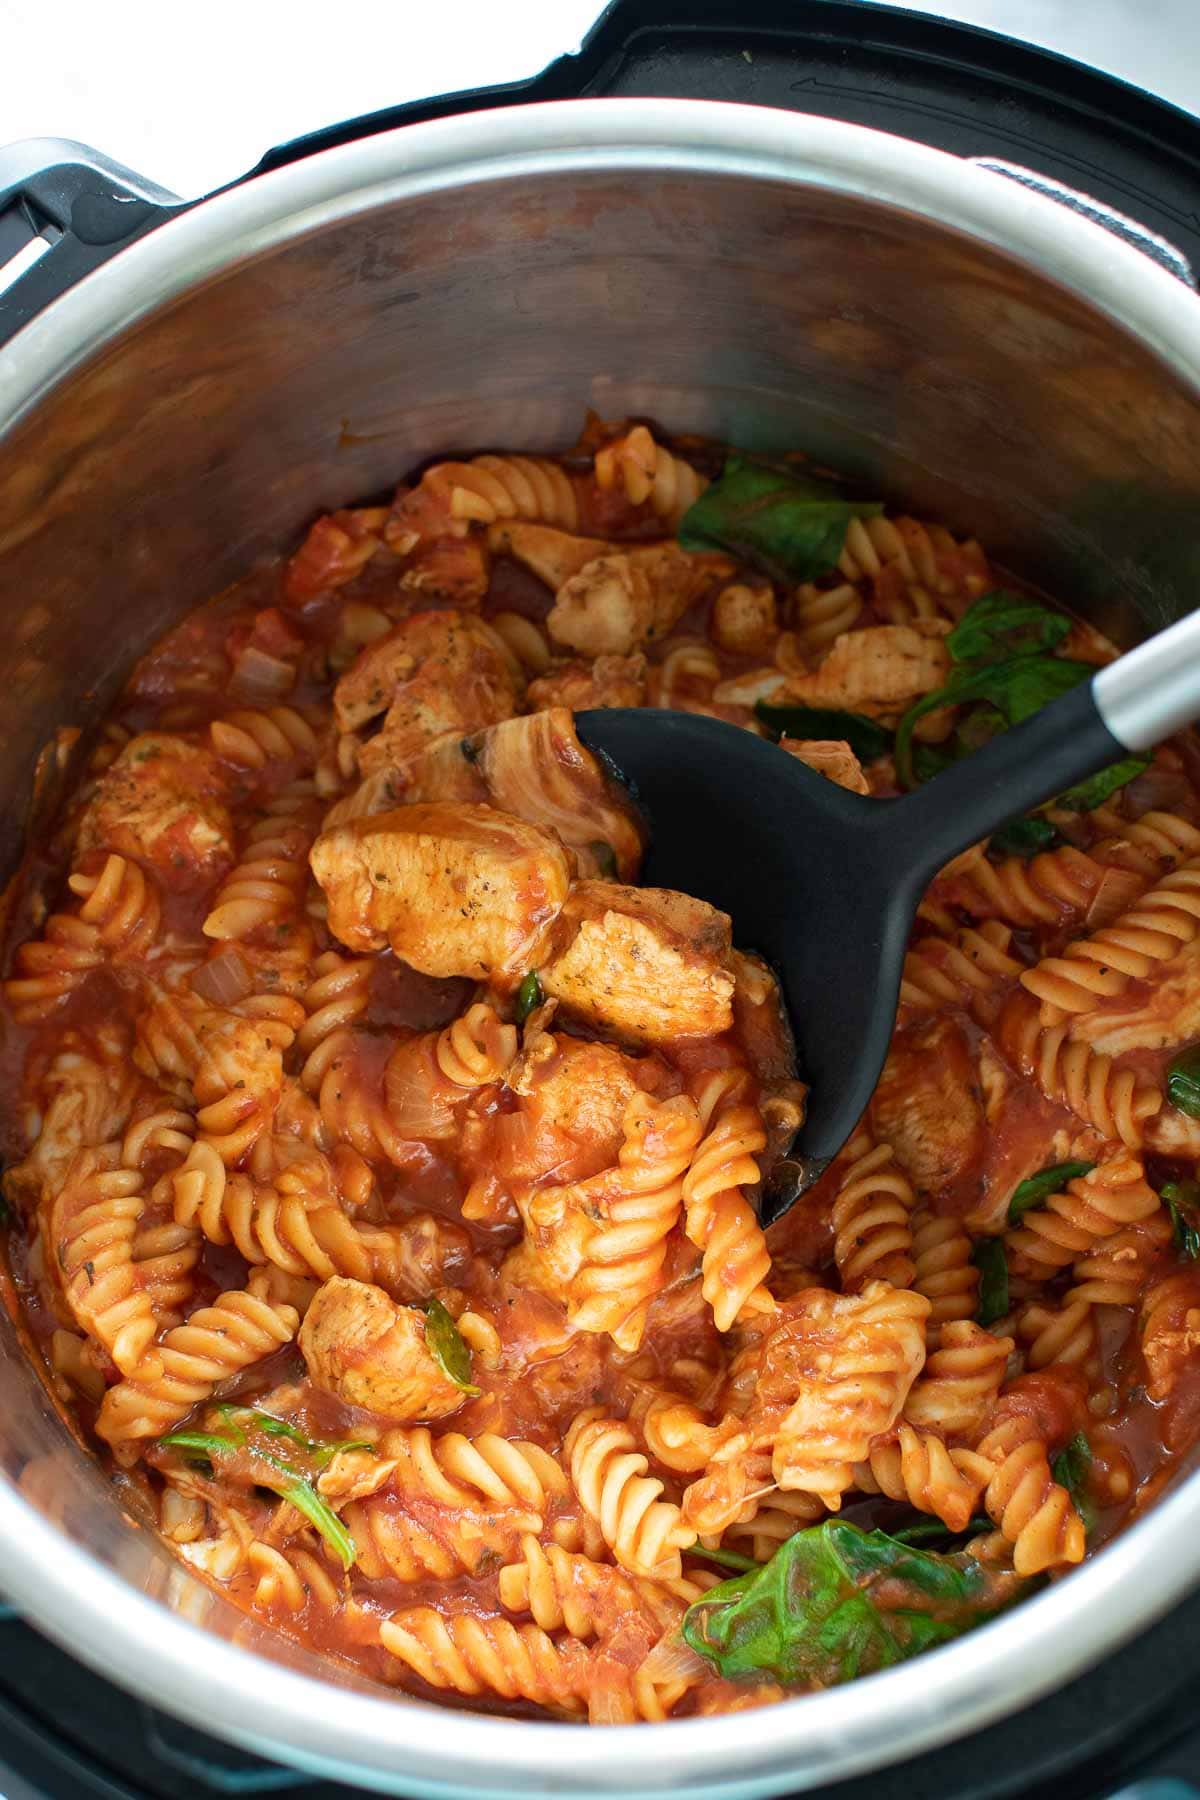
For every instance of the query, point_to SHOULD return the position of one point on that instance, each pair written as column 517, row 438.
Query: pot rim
column 371, row 1738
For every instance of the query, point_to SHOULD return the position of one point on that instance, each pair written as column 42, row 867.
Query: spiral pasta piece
column 165, row 1257
column 459, row 1471
column 917, row 570
column 774, row 1519
column 476, row 1656
column 1148, row 844
column 267, row 887
column 477, row 1048
column 1046, row 889
column 608, row 1473
column 168, row 1128
column 258, row 738
column 1116, row 1269
column 718, row 1218
column 918, row 1467
column 238, row 1084
column 957, row 1388
column 562, row 1590
column 1036, row 1515
column 487, row 488
column 291, row 1578
column 117, row 921
column 93, row 1223
column 943, row 1271
column 939, row 974
column 822, row 614
column 1097, row 968
column 872, row 1233
column 1058, row 1334
column 685, row 678
column 676, row 1434
column 1170, row 1330
column 217, row 1341
column 335, row 998
column 1075, row 1075
column 649, row 475
column 1115, row 1195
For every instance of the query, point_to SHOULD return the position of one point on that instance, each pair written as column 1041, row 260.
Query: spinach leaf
column 1183, row 1082
column 1085, row 796
column 1072, row 1469
column 836, row 1602
column 1001, row 625
column 207, row 1444
column 988, row 1257
column 1017, row 690
column 793, row 527
column 444, row 1341
column 1023, row 837
column 866, row 737
column 529, row 996
column 932, row 1531
column 285, row 1481
column 1036, row 1188
column 727, row 1559
column 1182, row 1201
column 321, row 1450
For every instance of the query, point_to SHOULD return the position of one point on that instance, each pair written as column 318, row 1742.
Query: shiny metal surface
column 296, row 343
column 1155, row 690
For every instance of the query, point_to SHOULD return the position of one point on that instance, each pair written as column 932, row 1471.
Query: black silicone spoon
column 825, row 884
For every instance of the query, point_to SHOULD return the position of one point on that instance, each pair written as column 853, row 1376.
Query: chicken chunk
column 880, row 670
column 163, row 801
column 928, row 1107
column 579, row 685
column 553, row 556
column 830, row 757
column 455, row 890
column 370, row 1352
column 645, row 964
column 626, row 598
column 744, row 618
column 437, row 672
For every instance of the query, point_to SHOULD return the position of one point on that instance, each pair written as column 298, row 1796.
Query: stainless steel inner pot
column 297, row 343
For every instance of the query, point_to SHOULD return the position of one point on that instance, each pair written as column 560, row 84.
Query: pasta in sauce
column 380, row 1190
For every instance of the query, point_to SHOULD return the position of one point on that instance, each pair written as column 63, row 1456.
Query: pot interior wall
column 932, row 368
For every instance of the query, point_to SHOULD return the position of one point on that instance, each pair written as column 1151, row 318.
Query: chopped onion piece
column 224, row 980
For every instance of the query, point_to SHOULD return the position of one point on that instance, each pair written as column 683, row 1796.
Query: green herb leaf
column 205, row 1443
column 321, row 1450
column 606, row 858
column 929, row 760
column 529, row 996
column 836, row 1602
column 1036, row 1188
column 1072, row 1470
column 301, row 1494
column 1023, row 837
column 1085, row 796
column 726, row 1559
column 444, row 1341
column 1017, row 690
column 793, row 527
column 1183, row 1082
column 1001, row 625
column 988, row 1257
column 866, row 737
column 1182, row 1201
column 932, row 1531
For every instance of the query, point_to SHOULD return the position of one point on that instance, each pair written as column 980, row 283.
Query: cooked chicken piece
column 830, row 757
column 580, row 1090
column 163, row 801
column 437, row 672
column 536, row 768
column 455, row 890
column 533, row 767
column 553, row 556
column 744, row 618
column 1159, row 1013
column 928, row 1107
column 370, row 1352
column 626, row 598
column 881, row 669
column 645, row 964
column 609, row 681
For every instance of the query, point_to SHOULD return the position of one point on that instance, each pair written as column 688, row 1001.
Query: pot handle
column 1158, row 249
column 64, row 210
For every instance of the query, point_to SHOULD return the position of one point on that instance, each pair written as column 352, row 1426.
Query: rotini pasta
column 397, row 1229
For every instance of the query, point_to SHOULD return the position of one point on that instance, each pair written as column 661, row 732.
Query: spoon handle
column 1130, row 705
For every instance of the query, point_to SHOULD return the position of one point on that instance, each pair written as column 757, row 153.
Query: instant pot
column 983, row 303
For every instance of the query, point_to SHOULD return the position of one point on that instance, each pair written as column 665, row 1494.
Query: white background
column 192, row 96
